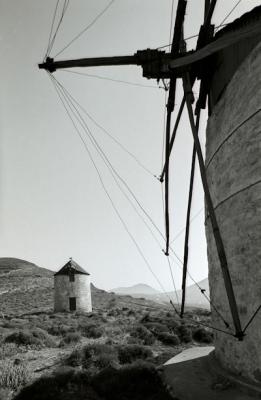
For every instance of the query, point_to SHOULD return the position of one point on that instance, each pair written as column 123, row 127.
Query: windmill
column 189, row 67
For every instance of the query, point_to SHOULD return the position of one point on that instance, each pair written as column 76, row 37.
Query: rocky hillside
column 27, row 288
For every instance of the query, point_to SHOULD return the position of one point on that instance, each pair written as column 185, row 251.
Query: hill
column 194, row 297
column 27, row 288
column 140, row 289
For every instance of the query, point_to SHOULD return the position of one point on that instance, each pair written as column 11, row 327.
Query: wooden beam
column 187, row 231
column 212, row 215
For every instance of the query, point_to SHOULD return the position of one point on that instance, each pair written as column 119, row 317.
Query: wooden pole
column 173, row 136
column 187, row 231
column 212, row 215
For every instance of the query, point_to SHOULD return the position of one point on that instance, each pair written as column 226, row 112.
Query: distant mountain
column 26, row 288
column 140, row 289
column 194, row 297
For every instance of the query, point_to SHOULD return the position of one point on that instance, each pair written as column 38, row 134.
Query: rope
column 65, row 6
column 128, row 188
column 252, row 318
column 236, row 193
column 106, row 191
column 183, row 229
column 113, row 80
column 188, row 38
column 230, row 134
column 113, row 173
column 52, row 26
column 228, row 15
column 201, row 323
column 110, row 135
column 108, row 162
column 86, row 28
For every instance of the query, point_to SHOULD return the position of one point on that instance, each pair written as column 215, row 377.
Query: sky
column 53, row 205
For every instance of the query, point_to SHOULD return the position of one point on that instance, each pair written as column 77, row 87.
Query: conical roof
column 71, row 267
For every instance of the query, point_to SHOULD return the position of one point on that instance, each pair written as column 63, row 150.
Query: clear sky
column 52, row 202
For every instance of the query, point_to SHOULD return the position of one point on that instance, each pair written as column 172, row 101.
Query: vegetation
column 112, row 353
column 137, row 381
column 202, row 335
column 14, row 375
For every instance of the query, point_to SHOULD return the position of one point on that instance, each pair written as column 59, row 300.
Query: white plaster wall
column 80, row 288
column 233, row 161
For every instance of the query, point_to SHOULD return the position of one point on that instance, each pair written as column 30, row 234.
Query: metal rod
column 216, row 232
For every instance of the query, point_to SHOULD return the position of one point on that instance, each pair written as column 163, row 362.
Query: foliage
column 92, row 331
column 59, row 329
column 8, row 350
column 129, row 353
column 70, row 338
column 202, row 335
column 168, row 338
column 35, row 337
column 64, row 385
column 156, row 327
column 94, row 357
column 139, row 381
column 13, row 375
column 184, row 333
column 143, row 333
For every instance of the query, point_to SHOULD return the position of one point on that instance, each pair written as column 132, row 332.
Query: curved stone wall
column 80, row 289
column 233, row 162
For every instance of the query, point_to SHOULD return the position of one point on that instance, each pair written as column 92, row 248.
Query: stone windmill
column 72, row 291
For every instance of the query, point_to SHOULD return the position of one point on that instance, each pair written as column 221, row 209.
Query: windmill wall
column 233, row 162
column 80, row 289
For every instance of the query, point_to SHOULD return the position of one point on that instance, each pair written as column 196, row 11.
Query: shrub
column 184, row 333
column 64, row 385
column 13, row 375
column 139, row 381
column 202, row 335
column 129, row 353
column 94, row 357
column 70, row 338
column 143, row 333
column 133, row 340
column 92, row 331
column 36, row 337
column 156, row 327
column 168, row 338
column 8, row 350
column 59, row 329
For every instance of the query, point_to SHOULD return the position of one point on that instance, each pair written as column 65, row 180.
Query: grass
column 14, row 375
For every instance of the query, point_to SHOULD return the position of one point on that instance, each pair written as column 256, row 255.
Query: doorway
column 72, row 303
